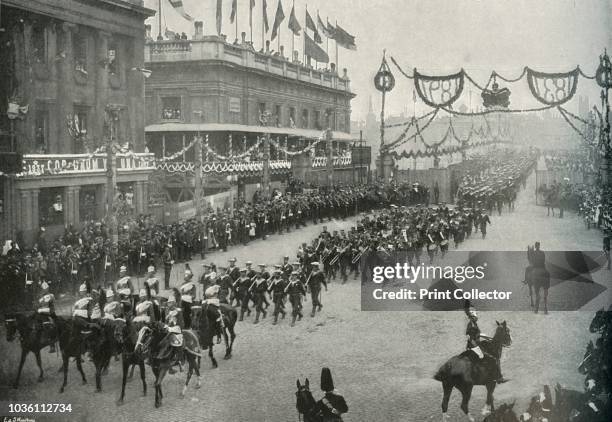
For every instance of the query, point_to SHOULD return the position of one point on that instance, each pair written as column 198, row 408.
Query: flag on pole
column 264, row 4
column 311, row 25
column 294, row 25
column 312, row 49
column 219, row 15
column 344, row 39
column 234, row 7
column 326, row 30
column 251, row 12
column 278, row 19
column 178, row 6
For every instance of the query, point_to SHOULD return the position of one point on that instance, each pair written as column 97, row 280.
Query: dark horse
column 205, row 319
column 102, row 345
column 466, row 370
column 536, row 278
column 71, row 345
column 306, row 405
column 126, row 336
column 30, row 336
column 152, row 343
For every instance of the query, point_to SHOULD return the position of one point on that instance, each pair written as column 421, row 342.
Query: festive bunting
column 439, row 91
column 553, row 88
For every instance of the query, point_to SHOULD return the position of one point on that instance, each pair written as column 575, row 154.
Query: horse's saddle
column 176, row 340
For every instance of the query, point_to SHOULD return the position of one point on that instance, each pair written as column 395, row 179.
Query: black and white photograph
column 305, row 210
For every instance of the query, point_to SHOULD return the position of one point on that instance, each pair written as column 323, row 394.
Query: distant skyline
column 437, row 37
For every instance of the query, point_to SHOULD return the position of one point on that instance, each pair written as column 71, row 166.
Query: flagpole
column 159, row 35
column 263, row 28
column 236, row 17
column 337, row 62
column 251, row 22
column 305, row 33
column 293, row 34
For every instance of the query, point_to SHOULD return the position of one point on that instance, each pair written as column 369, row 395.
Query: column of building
column 27, row 213
column 141, row 197
column 65, row 104
column 71, row 205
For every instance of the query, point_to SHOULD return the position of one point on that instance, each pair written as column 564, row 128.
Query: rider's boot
column 256, row 318
column 275, row 319
column 241, row 315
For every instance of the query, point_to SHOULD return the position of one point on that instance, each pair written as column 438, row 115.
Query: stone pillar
column 65, row 70
column 141, row 197
column 136, row 94
column 28, row 213
column 102, row 84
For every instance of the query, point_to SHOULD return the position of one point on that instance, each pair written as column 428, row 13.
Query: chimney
column 199, row 30
column 148, row 32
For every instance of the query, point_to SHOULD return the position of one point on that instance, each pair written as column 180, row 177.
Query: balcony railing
column 223, row 167
column 343, row 161
column 36, row 165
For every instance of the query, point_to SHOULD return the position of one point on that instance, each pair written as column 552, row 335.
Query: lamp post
column 384, row 81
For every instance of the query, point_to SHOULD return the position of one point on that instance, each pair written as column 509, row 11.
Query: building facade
column 235, row 96
column 72, row 76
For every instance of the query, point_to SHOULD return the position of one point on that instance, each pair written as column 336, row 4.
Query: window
column 171, row 108
column 41, row 131
column 291, row 117
column 261, row 107
column 305, row 116
column 277, row 115
column 51, row 207
column 39, row 43
column 317, row 120
column 80, row 119
column 87, row 203
column 79, row 44
column 113, row 61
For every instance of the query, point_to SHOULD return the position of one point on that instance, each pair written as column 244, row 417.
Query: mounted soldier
column 474, row 338
column 46, row 315
column 152, row 281
column 188, row 294
column 332, row 405
column 125, row 282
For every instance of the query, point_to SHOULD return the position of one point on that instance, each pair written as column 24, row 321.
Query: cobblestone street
column 382, row 362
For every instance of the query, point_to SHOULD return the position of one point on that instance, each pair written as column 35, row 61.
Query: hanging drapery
column 553, row 89
column 439, row 91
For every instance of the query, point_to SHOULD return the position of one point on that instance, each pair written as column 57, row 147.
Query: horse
column 30, row 336
column 464, row 371
column 306, row 405
column 504, row 413
column 577, row 406
column 102, row 345
column 150, row 343
column 70, row 347
column 204, row 321
column 536, row 278
column 126, row 336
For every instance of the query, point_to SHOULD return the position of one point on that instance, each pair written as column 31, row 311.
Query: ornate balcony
column 276, row 166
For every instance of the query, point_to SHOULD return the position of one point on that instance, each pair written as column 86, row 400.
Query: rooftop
column 215, row 48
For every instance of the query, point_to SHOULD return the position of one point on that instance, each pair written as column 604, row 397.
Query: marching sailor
column 277, row 289
column 258, row 290
column 315, row 280
column 295, row 290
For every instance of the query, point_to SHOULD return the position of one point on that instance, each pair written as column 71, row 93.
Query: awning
column 228, row 127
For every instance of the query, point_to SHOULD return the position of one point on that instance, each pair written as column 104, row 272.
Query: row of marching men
column 241, row 287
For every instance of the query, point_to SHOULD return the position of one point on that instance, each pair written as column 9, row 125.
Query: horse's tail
column 442, row 373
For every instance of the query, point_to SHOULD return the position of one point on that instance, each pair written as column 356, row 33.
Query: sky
column 436, row 36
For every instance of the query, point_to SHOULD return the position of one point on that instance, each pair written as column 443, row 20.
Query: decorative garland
column 402, row 138
column 230, row 157
column 223, row 167
column 284, row 150
column 179, row 153
column 409, row 122
column 565, row 114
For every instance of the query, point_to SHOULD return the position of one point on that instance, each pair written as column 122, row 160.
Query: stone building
column 235, row 96
column 72, row 74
